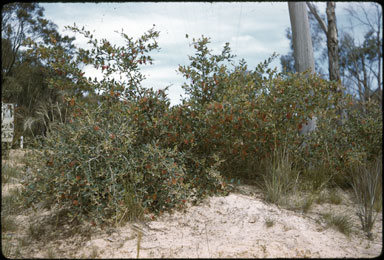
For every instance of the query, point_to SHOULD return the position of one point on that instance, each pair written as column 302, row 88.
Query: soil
column 240, row 225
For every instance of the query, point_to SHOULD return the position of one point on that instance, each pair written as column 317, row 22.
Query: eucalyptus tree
column 329, row 27
column 361, row 61
column 24, row 74
column 302, row 46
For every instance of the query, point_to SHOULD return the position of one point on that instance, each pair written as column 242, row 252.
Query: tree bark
column 330, row 30
column 302, row 42
column 332, row 43
column 302, row 47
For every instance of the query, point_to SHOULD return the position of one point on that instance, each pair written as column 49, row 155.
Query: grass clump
column 269, row 222
column 279, row 178
column 8, row 224
column 366, row 181
column 341, row 223
column 307, row 204
column 334, row 198
column 315, row 178
column 11, row 203
column 8, row 173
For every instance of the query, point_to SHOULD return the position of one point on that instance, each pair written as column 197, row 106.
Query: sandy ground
column 234, row 226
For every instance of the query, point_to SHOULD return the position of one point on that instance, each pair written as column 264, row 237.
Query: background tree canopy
column 360, row 61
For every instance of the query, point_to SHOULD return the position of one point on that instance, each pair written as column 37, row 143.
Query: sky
column 254, row 30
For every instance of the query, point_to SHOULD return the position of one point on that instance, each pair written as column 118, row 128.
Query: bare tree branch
column 313, row 11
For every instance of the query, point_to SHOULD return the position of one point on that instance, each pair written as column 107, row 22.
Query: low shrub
column 102, row 169
column 117, row 159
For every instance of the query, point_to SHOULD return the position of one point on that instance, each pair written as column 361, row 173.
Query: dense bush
column 115, row 159
column 128, row 152
column 259, row 110
column 100, row 169
column 256, row 112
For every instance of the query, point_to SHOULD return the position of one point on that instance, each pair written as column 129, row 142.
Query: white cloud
column 248, row 44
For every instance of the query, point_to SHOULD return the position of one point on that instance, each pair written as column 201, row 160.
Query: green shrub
column 117, row 159
column 104, row 169
column 126, row 152
column 255, row 112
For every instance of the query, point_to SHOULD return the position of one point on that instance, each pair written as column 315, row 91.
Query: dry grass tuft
column 366, row 181
column 280, row 177
column 341, row 223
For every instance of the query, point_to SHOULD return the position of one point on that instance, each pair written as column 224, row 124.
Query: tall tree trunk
column 301, row 36
column 302, row 47
column 333, row 52
column 379, row 49
column 330, row 30
column 332, row 43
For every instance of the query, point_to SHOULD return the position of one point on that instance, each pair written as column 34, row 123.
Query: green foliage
column 117, row 170
column 206, row 72
column 343, row 140
column 117, row 160
column 256, row 112
column 126, row 152
column 25, row 70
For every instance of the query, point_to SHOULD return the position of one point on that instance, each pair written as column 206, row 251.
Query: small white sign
column 7, row 122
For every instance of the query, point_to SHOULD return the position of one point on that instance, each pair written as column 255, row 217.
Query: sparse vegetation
column 307, row 203
column 8, row 224
column 279, row 177
column 334, row 198
column 8, row 172
column 269, row 222
column 340, row 222
column 50, row 253
column 6, row 248
column 94, row 252
column 365, row 183
column 315, row 178
column 12, row 202
column 36, row 231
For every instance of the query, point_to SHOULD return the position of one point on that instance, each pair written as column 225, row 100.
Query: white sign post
column 7, row 122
